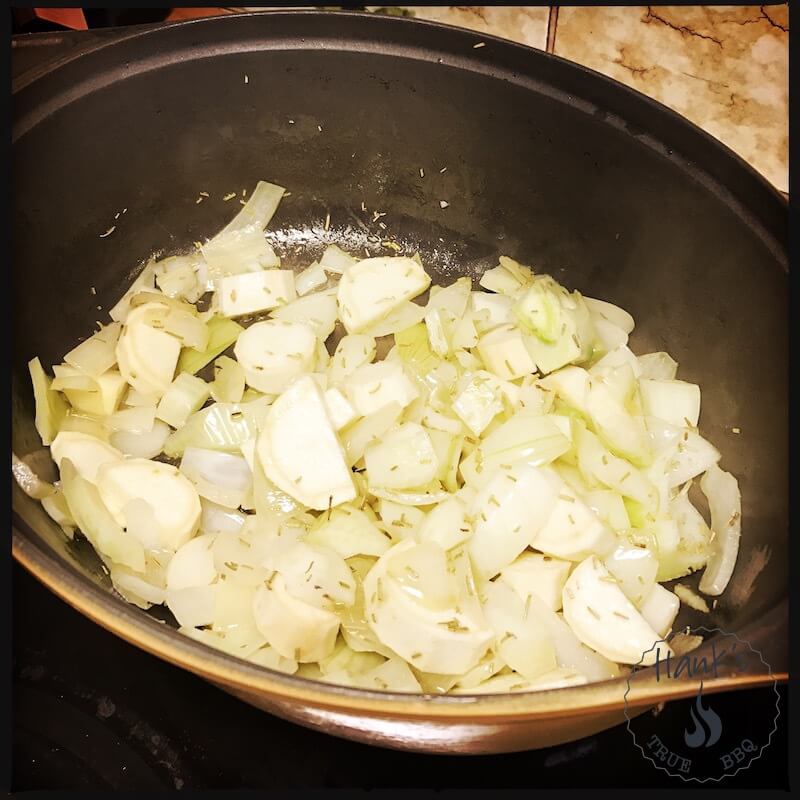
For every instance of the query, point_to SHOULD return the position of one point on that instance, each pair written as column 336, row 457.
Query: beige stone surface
column 723, row 67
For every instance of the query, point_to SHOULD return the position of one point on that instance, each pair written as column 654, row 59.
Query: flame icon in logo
column 707, row 724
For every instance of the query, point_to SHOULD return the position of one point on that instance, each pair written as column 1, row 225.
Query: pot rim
column 136, row 627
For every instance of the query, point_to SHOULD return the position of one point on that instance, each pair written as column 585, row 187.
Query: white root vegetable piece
column 660, row 608
column 571, row 384
column 399, row 318
column 507, row 513
column 371, row 288
column 393, row 675
column 95, row 520
column 350, row 532
column 371, row 387
column 403, row 458
column 317, row 310
column 340, row 411
column 172, row 497
column 658, row 366
column 504, row 353
column 192, row 606
column 571, row 653
column 97, row 354
column 335, row 260
column 147, row 357
column 275, row 352
column 617, row 357
column 479, row 402
column 572, row 531
column 218, row 519
column 295, row 629
column 609, row 337
column 401, row 521
column 676, row 402
column 491, row 310
column 448, row 639
column 183, row 277
column 312, row 277
column 185, row 395
column 193, row 564
column 222, row 478
column 614, row 314
column 523, row 641
column 138, row 419
column 67, row 377
column 604, row 619
column 297, row 424
column 313, row 573
column 357, row 436
column 172, row 316
column 526, row 437
column 229, row 381
column 507, row 278
column 446, row 524
column 539, row 574
column 238, row 251
column 352, row 352
column 725, row 504
column 251, row 292
column 103, row 399
column 50, row 406
column 635, row 568
column 88, row 454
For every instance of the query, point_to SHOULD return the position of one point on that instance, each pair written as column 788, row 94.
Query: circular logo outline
column 739, row 768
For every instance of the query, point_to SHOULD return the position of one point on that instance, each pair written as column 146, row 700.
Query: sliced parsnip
column 371, row 288
column 193, row 564
column 251, row 292
column 403, row 458
column 539, row 574
column 350, row 532
column 172, row 497
column 312, row 277
column 95, row 520
column 352, row 352
column 446, row 525
column 317, row 310
column 295, row 629
column 371, row 387
column 340, row 411
column 147, row 358
column 572, row 531
column 102, row 400
column 523, row 641
column 635, row 569
column 507, row 513
column 275, row 352
column 296, row 424
column 504, row 353
column 447, row 640
column 659, row 609
column 87, row 453
column 603, row 618
column 479, row 402
column 96, row 355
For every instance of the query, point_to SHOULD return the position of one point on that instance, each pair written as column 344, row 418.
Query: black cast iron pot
column 545, row 161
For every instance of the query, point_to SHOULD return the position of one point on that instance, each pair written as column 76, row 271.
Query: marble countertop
column 723, row 67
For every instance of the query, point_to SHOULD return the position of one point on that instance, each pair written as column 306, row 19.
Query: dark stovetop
column 93, row 712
